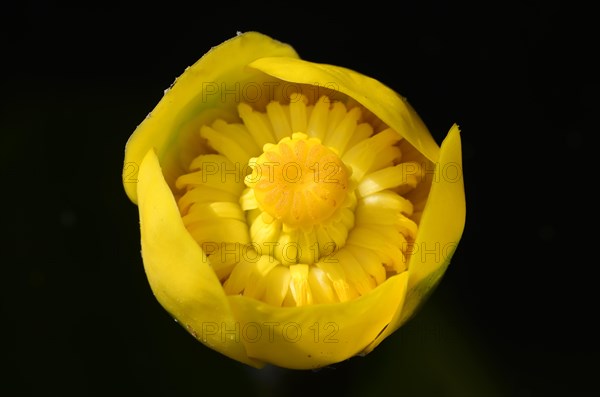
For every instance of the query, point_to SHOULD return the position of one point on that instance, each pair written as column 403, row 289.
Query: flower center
column 304, row 202
column 299, row 181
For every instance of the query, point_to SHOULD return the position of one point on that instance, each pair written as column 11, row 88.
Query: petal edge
column 386, row 104
column 175, row 118
column 436, row 240
column 178, row 270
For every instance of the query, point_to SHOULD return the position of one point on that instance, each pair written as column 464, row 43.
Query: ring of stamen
column 303, row 203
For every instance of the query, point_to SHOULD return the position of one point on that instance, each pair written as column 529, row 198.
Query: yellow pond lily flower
column 291, row 213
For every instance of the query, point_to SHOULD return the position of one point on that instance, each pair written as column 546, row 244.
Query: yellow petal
column 178, row 270
column 391, row 108
column 317, row 335
column 209, row 89
column 439, row 232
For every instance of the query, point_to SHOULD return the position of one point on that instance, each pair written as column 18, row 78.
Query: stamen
column 391, row 255
column 369, row 261
column 362, row 156
column 317, row 125
column 341, row 135
column 298, row 112
column 278, row 282
column 279, row 120
column 257, row 124
column 335, row 272
column 320, row 285
column 226, row 145
column 355, row 274
column 256, row 285
column 299, row 285
column 404, row 175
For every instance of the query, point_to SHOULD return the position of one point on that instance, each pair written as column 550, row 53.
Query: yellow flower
column 291, row 213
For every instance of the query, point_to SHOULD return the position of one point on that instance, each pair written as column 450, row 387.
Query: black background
column 514, row 314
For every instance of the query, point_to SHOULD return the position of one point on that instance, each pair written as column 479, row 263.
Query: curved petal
column 440, row 230
column 317, row 335
column 210, row 88
column 391, row 108
column 177, row 269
